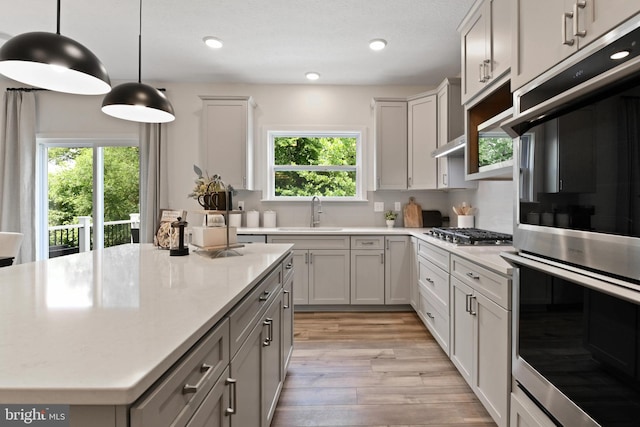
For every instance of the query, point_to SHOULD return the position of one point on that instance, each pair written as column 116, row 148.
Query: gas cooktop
column 470, row 236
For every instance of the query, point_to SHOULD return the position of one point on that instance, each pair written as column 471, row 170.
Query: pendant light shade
column 55, row 62
column 138, row 102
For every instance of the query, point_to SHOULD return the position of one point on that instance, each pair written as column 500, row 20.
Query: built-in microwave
column 577, row 157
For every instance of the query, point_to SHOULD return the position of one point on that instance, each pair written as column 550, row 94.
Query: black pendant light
column 138, row 102
column 55, row 62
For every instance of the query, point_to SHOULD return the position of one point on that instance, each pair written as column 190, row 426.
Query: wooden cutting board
column 412, row 214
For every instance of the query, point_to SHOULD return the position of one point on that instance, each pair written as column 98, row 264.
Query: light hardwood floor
column 373, row 369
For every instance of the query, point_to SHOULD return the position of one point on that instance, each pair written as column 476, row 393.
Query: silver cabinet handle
column 269, row 324
column 289, row 266
column 310, row 258
column 579, row 4
column 233, row 400
column 430, row 316
column 467, row 303
column 306, row 258
column 288, row 304
column 382, row 258
column 409, row 181
column 187, row 389
column 485, row 70
column 428, row 279
column 564, row 28
column 472, row 311
column 264, row 296
column 367, row 243
column 481, row 73
column 387, row 244
column 473, row 276
column 444, row 179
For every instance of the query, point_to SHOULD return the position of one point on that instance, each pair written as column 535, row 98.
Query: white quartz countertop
column 101, row 327
column 487, row 256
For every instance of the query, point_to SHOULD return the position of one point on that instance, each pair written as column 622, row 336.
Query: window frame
column 351, row 132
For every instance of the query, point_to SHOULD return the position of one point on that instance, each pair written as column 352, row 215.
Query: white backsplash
column 493, row 202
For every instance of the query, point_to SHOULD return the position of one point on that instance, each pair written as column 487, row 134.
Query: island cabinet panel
column 178, row 396
column 245, row 315
column 213, row 411
column 288, row 297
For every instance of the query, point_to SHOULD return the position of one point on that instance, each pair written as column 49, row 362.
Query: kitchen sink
column 309, row 229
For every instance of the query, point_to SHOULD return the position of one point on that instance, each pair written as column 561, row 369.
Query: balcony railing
column 74, row 238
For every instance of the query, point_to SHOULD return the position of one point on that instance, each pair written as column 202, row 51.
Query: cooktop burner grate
column 470, row 236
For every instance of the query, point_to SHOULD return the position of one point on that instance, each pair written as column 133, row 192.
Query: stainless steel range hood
column 453, row 148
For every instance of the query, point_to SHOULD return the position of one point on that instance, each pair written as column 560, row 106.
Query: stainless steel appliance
column 470, row 236
column 576, row 284
column 578, row 151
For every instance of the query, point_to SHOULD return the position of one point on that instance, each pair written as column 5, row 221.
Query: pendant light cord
column 139, row 46
column 58, row 23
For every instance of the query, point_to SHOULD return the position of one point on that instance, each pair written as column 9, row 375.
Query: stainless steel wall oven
column 576, row 293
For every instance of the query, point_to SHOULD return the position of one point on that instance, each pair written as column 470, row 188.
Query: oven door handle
column 615, row 287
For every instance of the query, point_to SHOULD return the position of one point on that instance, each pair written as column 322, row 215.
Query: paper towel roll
column 253, row 219
column 269, row 219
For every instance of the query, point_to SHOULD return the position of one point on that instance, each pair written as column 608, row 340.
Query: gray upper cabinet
column 486, row 46
column 227, row 139
column 422, row 140
column 548, row 31
column 391, row 144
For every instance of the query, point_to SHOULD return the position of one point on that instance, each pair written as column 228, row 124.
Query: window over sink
column 303, row 164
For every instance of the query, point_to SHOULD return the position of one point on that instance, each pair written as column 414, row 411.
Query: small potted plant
column 390, row 217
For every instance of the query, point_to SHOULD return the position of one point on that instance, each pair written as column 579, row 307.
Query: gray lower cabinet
column 213, row 410
column 233, row 376
column 322, row 268
column 525, row 413
column 397, row 270
column 481, row 334
column 367, row 270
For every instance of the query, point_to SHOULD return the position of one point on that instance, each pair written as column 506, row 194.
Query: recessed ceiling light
column 377, row 44
column 312, row 75
column 213, row 42
column 620, row 55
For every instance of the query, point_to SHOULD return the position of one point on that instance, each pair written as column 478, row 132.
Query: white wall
column 293, row 105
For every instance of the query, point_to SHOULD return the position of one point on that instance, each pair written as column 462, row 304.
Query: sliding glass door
column 87, row 194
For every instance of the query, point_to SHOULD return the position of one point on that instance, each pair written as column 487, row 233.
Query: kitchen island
column 98, row 329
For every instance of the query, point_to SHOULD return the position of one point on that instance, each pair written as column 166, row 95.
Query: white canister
column 253, row 219
column 235, row 220
column 465, row 221
column 269, row 219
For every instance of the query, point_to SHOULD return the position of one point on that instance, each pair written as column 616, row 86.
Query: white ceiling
column 265, row 41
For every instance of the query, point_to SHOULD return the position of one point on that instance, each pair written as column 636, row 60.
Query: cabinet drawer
column 316, row 242
column 246, row 314
column 435, row 279
column 435, row 318
column 493, row 285
column 436, row 255
column 367, row 242
column 287, row 267
column 175, row 399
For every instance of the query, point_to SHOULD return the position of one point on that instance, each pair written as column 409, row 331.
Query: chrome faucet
column 315, row 221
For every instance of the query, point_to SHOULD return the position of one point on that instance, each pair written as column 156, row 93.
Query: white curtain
column 18, row 169
column 153, row 178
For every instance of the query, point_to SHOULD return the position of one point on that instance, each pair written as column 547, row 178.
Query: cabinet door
column 492, row 364
column 414, row 293
column 300, row 276
column 367, row 276
column 212, row 411
column 501, row 37
column 600, row 16
column 246, row 369
column 537, row 42
column 227, row 140
column 391, row 145
column 397, row 270
column 422, row 140
column 271, row 359
column 525, row 413
column 329, row 277
column 287, row 322
column 462, row 329
column 474, row 53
